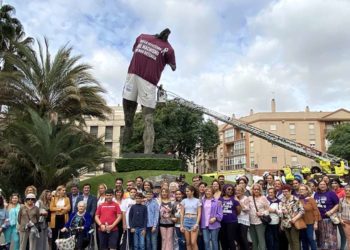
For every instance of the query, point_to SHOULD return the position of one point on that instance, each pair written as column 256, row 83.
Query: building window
column 109, row 133
column 311, row 128
column 252, row 163
column 251, row 147
column 274, row 159
column 292, row 129
column 273, row 127
column 239, row 147
column 312, row 143
column 94, row 131
column 229, row 135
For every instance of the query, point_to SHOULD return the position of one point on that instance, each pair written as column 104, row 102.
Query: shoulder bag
column 265, row 219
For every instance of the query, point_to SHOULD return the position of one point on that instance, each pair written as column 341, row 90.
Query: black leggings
column 228, row 235
column 59, row 224
column 242, row 239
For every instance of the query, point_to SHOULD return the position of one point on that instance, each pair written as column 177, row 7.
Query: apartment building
column 109, row 130
column 243, row 150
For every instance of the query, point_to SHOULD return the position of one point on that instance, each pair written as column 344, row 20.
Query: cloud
column 231, row 56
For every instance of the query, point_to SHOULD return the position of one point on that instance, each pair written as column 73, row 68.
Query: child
column 152, row 224
column 138, row 222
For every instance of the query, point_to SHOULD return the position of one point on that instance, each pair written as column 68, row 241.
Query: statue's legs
column 129, row 108
column 148, row 132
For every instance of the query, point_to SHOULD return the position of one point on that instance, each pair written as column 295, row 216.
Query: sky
column 232, row 55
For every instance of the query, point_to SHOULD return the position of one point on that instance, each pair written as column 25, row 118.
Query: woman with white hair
column 259, row 206
column 79, row 223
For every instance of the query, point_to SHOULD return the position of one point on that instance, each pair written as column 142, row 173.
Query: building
column 109, row 130
column 243, row 150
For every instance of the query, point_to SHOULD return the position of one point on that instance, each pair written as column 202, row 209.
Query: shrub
column 133, row 164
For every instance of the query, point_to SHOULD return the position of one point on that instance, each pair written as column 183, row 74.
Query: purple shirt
column 326, row 201
column 229, row 210
column 151, row 54
column 215, row 211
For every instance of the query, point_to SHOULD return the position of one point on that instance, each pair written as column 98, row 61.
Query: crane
column 329, row 163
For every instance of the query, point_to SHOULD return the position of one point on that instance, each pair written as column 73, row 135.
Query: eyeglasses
column 30, row 199
column 229, row 189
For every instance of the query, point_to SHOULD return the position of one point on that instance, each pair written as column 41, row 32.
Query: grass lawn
column 108, row 179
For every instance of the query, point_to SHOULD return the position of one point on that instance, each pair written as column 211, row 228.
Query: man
column 151, row 54
column 221, row 180
column 107, row 217
column 118, row 184
column 125, row 207
column 89, row 199
column 139, row 184
column 195, row 181
column 73, row 196
column 129, row 185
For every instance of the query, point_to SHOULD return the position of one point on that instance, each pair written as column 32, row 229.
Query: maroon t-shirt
column 150, row 57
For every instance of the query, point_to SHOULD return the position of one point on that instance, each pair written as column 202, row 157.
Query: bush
column 133, row 164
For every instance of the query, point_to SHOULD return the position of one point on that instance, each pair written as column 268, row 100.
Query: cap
column 30, row 196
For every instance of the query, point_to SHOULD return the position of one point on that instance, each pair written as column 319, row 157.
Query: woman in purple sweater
column 210, row 219
column 229, row 223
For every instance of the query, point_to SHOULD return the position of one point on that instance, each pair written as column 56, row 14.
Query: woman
column 173, row 187
column 11, row 233
column 166, row 220
column 327, row 203
column 243, row 218
column 229, row 223
column 4, row 218
column 269, row 181
column 118, row 198
column 217, row 189
column 28, row 217
column 177, row 205
column 59, row 208
column 340, row 192
column 147, row 186
column 210, row 219
column 79, row 223
column 190, row 217
column 201, row 189
column 259, row 206
column 311, row 217
column 272, row 229
column 244, row 184
column 30, row 190
column 292, row 210
column 44, row 208
column 101, row 193
column 344, row 212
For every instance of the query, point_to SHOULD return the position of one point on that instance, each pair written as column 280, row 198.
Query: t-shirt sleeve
column 334, row 199
column 199, row 203
column 236, row 203
column 98, row 210
column 170, row 57
column 136, row 43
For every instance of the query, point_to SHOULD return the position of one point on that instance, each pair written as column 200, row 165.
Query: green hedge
column 133, row 164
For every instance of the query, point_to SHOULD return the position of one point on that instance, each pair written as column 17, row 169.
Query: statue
column 151, row 54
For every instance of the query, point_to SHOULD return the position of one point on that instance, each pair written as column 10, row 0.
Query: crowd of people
column 268, row 214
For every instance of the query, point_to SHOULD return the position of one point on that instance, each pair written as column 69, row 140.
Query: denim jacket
column 215, row 212
column 152, row 212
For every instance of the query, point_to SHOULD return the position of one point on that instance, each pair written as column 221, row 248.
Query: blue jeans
column 272, row 237
column 139, row 239
column 180, row 239
column 151, row 239
column 307, row 237
column 211, row 235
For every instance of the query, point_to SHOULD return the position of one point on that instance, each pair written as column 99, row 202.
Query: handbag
column 335, row 219
column 65, row 244
column 265, row 219
column 300, row 224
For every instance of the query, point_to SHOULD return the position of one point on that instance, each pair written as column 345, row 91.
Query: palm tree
column 58, row 85
column 44, row 154
column 11, row 33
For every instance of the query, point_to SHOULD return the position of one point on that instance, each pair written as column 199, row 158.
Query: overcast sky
column 232, row 55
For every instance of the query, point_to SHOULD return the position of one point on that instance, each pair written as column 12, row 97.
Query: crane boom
column 285, row 143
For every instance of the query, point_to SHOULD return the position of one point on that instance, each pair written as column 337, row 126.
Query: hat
column 30, row 196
